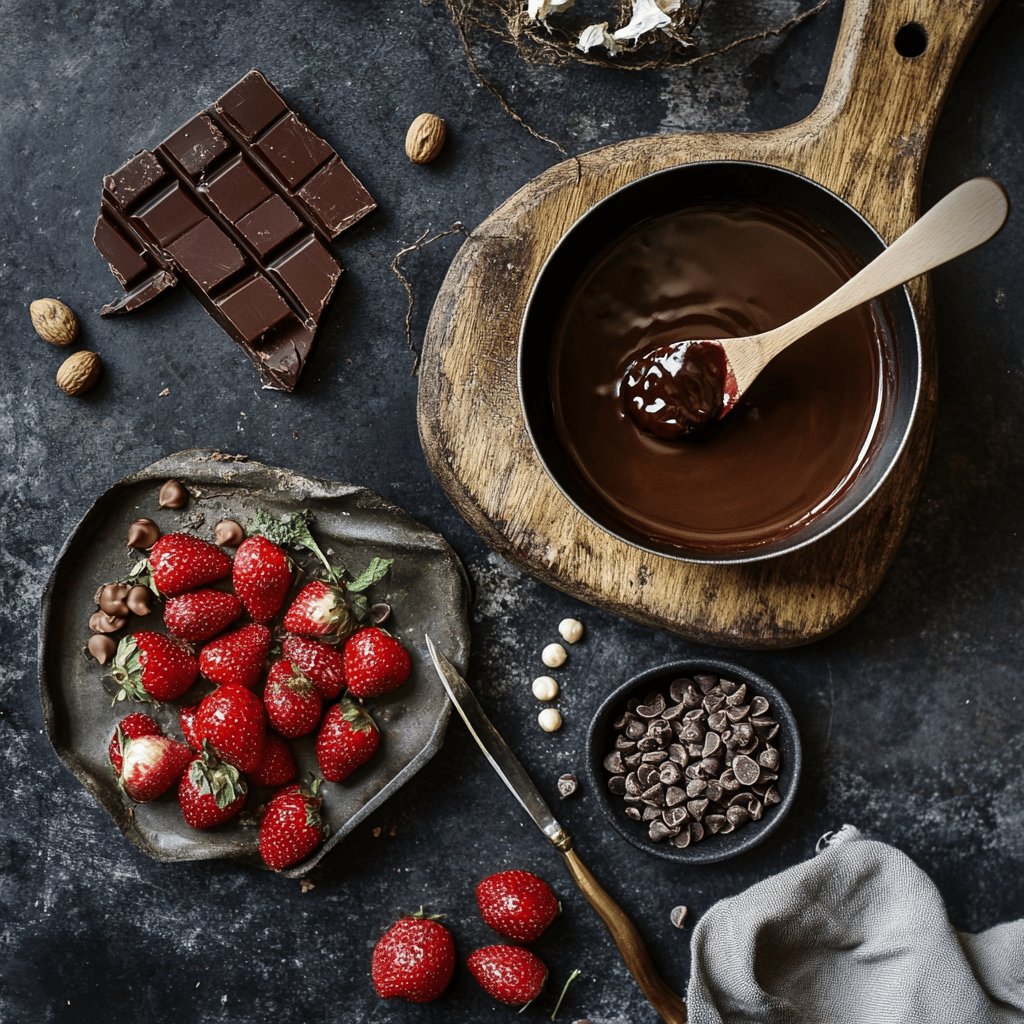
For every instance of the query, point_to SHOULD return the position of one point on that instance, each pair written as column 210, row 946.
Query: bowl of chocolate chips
column 695, row 761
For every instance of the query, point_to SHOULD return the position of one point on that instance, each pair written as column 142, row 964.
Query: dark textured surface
column 910, row 717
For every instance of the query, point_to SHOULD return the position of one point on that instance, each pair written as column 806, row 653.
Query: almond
column 78, row 372
column 425, row 138
column 54, row 322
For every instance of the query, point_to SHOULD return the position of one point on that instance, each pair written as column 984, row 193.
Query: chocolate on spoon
column 678, row 389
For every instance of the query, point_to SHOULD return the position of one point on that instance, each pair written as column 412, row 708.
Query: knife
column 624, row 933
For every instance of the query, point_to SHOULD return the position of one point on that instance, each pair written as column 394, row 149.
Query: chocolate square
column 293, row 150
column 254, row 308
column 237, row 189
column 251, row 105
column 170, row 215
column 207, row 255
column 127, row 264
column 135, row 179
column 310, row 272
column 335, row 197
column 196, row 144
column 269, row 225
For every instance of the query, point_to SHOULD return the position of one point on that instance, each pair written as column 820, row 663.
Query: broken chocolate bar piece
column 240, row 203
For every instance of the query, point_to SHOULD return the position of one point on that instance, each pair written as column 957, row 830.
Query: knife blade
column 508, row 767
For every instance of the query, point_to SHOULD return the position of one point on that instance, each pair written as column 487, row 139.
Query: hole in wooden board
column 911, row 40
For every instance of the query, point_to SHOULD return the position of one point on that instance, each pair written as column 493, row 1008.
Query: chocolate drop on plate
column 793, row 444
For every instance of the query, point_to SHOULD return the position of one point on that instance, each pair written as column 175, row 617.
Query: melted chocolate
column 796, row 440
column 675, row 390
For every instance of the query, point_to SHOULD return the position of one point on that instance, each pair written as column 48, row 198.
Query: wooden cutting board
column 866, row 141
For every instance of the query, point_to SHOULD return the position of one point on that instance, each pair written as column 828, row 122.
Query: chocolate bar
column 241, row 203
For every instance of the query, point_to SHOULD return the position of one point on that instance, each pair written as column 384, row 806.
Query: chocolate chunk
column 613, row 763
column 670, row 773
column 677, row 752
column 654, row 757
column 758, row 706
column 696, row 808
column 635, row 729
column 567, row 785
column 746, row 770
column 647, row 744
column 674, row 796
column 769, row 758
column 625, row 744
column 772, row 797
column 706, row 682
column 696, row 787
column 659, row 831
column 651, row 813
column 675, row 816
column 738, row 696
column 653, row 705
column 634, row 813
column 712, row 744
column 714, row 823
column 738, row 713
column 240, row 202
column 617, row 785
column 696, row 831
column 646, row 774
column 682, row 840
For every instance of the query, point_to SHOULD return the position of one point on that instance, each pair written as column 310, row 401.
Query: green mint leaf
column 373, row 573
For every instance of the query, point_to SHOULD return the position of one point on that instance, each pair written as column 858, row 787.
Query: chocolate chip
column 111, row 599
column 674, row 796
column 737, row 714
column 718, row 721
column 758, row 706
column 696, row 787
column 631, row 760
column 728, row 686
column 173, row 495
column 654, row 795
column 654, row 757
column 675, row 816
column 706, row 682
column 692, row 732
column 647, row 744
column 715, row 791
column 710, row 767
column 101, row 647
column 101, row 622
column 738, row 696
column 617, row 785
column 651, row 813
column 691, row 771
column 625, row 744
column 633, row 786
column 712, row 744
column 742, row 734
column 622, row 721
column 654, row 704
column 678, row 916
column 756, row 811
column 143, row 534
column 712, row 702
column 696, row 808
column 568, row 784
column 659, row 831
column 772, row 797
column 646, row 774
column 677, row 752
column 746, row 770
column 677, row 688
column 670, row 773
column 714, row 823
column 660, row 731
column 691, row 699
column 139, row 600
column 633, row 812
column 613, row 763
column 228, row 533
column 670, row 714
column 635, row 729
column 681, row 841
column 737, row 815
column 696, row 831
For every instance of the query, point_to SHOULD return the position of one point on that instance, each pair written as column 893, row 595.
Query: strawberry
column 320, row 609
column 153, row 667
column 210, row 791
column 200, row 614
column 517, row 904
column 320, row 662
column 231, row 720
column 187, row 720
column 151, row 765
column 261, row 576
column 510, row 974
column 375, row 663
column 236, row 657
column 181, row 562
column 292, row 828
column 277, row 765
column 348, row 738
column 413, row 960
column 293, row 704
column 131, row 727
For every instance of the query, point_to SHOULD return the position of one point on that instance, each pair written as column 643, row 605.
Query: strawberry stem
column 565, row 988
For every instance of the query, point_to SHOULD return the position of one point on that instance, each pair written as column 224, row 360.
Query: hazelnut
column 553, row 655
column 228, row 533
column 101, row 622
column 143, row 534
column 571, row 630
column 139, row 600
column 425, row 138
column 112, row 599
column 173, row 495
column 54, row 322
column 550, row 720
column 101, row 647
column 78, row 372
column 545, row 688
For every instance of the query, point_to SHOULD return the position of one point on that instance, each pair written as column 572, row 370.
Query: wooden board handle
column 624, row 933
column 880, row 105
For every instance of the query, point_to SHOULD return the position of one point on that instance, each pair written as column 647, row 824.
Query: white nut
column 553, row 655
column 571, row 630
column 550, row 720
column 545, row 688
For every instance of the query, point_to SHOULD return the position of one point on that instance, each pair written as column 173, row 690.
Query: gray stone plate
column 426, row 587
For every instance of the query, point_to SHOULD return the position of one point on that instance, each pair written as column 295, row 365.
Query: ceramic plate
column 426, row 587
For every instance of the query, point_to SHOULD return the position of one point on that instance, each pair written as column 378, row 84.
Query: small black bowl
column 600, row 740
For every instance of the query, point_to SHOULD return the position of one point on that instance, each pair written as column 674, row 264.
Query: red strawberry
column 131, row 727
column 231, row 720
column 210, row 792
column 293, row 703
column 201, row 614
column 320, row 610
column 187, row 720
column 277, row 765
column 375, row 663
column 151, row 765
column 261, row 576
column 320, row 662
column 517, row 904
column 153, row 667
column 292, row 828
column 510, row 974
column 413, row 960
column 348, row 738
column 181, row 562
column 236, row 657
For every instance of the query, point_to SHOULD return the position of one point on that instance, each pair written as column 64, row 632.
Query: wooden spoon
column 676, row 389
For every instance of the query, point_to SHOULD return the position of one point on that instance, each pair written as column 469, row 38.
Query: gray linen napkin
column 856, row 935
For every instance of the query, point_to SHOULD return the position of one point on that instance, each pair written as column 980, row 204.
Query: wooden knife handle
column 668, row 1004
